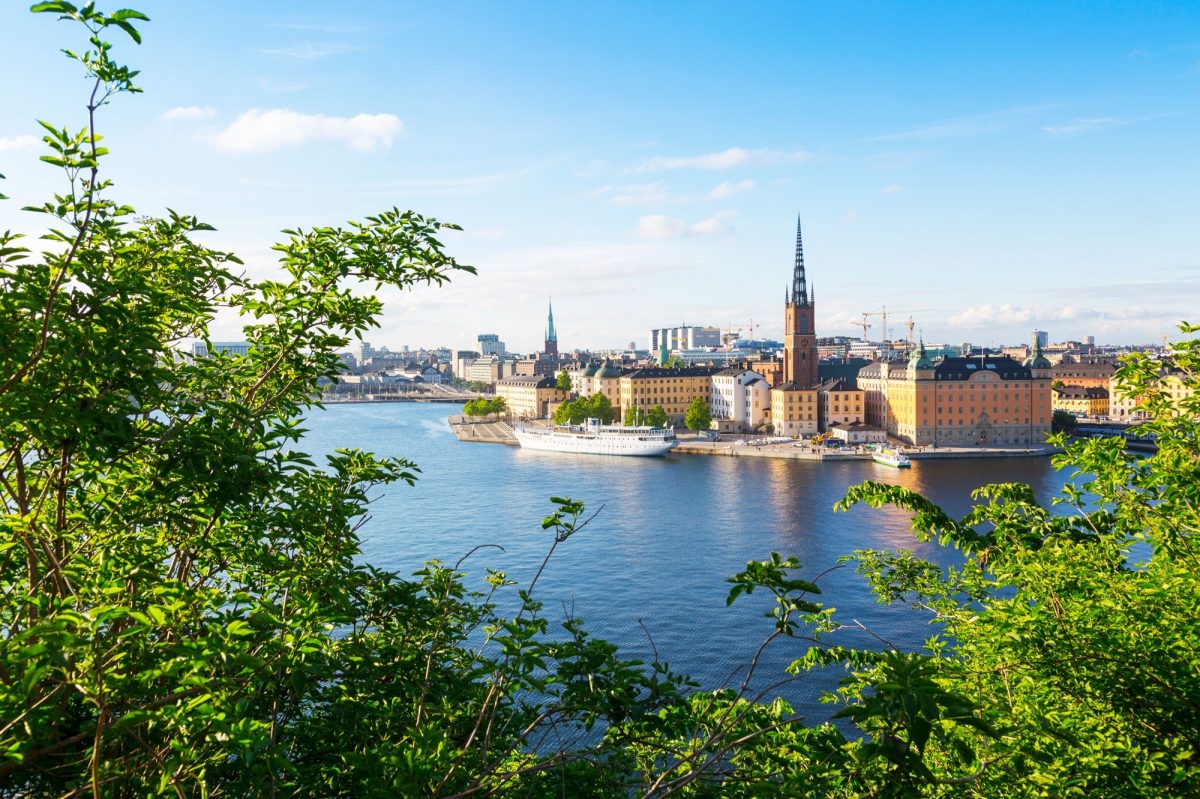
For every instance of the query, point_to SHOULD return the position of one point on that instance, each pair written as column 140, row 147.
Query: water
column 668, row 533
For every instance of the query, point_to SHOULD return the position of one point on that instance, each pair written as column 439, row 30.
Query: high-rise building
column 490, row 344
column 1040, row 339
column 800, row 337
column 684, row 337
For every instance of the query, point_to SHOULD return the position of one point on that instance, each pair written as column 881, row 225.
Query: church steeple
column 799, row 326
column 799, row 284
column 551, row 347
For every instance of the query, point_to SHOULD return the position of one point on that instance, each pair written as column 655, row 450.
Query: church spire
column 550, row 334
column 799, row 287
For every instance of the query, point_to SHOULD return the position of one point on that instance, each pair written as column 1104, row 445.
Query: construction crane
column 864, row 324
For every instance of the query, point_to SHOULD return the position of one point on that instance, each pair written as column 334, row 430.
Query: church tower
column 799, row 333
column 551, row 348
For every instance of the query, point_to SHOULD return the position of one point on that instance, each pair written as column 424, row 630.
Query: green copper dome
column 920, row 358
column 608, row 371
column 1037, row 360
column 591, row 369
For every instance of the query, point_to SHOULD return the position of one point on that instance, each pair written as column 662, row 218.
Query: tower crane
column 864, row 324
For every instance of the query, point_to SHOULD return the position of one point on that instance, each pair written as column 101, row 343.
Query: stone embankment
column 498, row 431
column 487, row 431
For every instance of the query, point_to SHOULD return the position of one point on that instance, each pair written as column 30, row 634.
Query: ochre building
column 674, row 389
column 988, row 401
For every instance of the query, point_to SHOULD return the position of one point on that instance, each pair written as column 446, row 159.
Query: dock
column 484, row 431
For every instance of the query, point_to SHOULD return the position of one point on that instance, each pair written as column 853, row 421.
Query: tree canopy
column 185, row 611
column 485, row 406
column 563, row 381
column 699, row 416
column 575, row 411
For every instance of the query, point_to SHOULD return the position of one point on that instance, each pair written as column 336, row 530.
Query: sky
column 983, row 168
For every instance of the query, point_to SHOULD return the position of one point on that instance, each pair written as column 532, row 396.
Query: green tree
column 698, row 416
column 1072, row 629
column 186, row 613
column 563, row 381
column 1062, row 421
column 657, row 417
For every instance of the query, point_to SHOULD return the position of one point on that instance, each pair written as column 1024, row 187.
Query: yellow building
column 530, row 396
column 795, row 411
column 674, row 389
column 839, row 403
column 987, row 400
column 1080, row 401
column 1127, row 408
column 595, row 378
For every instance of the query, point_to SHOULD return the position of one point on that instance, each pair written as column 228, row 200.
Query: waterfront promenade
column 497, row 431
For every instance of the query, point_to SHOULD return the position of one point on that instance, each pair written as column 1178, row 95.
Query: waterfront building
column 794, row 410
column 1084, row 375
column 839, row 403
column 857, row 433
column 983, row 400
column 1080, row 401
column 599, row 378
column 684, row 337
column 674, row 389
column 1126, row 407
column 800, row 337
column 530, row 396
column 740, row 400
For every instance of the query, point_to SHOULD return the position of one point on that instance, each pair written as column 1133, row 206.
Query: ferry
column 593, row 438
column 891, row 457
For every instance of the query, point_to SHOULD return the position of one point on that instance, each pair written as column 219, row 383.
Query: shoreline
column 496, row 431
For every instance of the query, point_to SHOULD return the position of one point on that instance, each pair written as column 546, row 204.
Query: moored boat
column 593, row 438
column 891, row 457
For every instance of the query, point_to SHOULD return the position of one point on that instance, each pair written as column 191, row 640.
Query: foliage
column 185, row 612
column 1062, row 421
column 479, row 386
column 657, row 417
column 698, row 416
column 576, row 411
column 563, row 381
column 484, row 406
column 1073, row 628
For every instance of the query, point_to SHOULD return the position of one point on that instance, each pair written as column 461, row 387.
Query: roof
column 793, row 386
column 1079, row 392
column 1084, row 370
column 1002, row 366
column 653, row 371
column 837, row 384
column 528, row 381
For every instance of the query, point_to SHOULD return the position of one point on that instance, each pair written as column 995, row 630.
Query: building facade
column 674, row 389
column 795, row 410
column 984, row 400
column 683, row 337
column 530, row 396
column 1080, row 401
column 741, row 400
column 840, row 404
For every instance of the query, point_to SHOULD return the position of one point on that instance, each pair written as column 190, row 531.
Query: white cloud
column 190, row 112
column 308, row 52
column 647, row 194
column 1082, row 125
column 10, row 144
column 726, row 159
column 657, row 226
column 727, row 189
column 892, row 188
column 259, row 131
column 972, row 125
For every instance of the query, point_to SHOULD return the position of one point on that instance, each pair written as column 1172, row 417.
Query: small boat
column 593, row 438
column 891, row 457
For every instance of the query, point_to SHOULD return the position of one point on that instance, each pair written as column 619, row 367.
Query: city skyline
column 990, row 170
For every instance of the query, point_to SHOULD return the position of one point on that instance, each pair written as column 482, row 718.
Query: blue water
column 668, row 533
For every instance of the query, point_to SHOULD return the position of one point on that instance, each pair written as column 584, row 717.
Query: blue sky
column 986, row 168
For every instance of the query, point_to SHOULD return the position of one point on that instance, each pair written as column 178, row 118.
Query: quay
column 498, row 431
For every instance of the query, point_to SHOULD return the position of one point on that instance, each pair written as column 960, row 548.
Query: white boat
column 593, row 438
column 891, row 457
